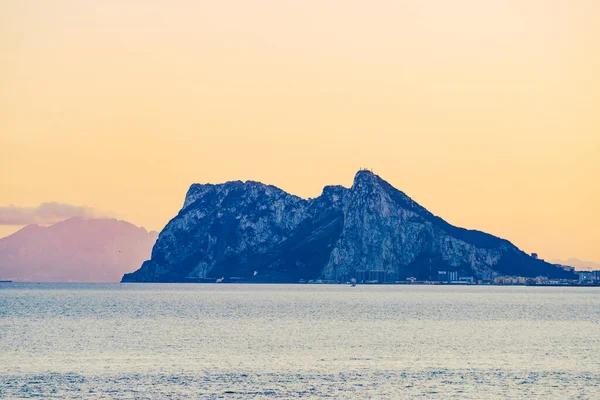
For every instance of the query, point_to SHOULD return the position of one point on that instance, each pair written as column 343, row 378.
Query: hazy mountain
column 261, row 233
column 579, row 265
column 77, row 250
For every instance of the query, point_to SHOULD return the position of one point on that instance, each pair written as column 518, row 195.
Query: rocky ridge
column 254, row 232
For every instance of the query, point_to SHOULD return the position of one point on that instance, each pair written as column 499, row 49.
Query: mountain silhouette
column 258, row 233
column 74, row 250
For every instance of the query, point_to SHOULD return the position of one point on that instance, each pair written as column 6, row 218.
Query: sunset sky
column 487, row 113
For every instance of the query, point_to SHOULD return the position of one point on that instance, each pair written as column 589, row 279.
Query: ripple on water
column 304, row 341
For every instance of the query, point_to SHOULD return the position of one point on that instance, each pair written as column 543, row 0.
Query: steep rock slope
column 255, row 232
column 385, row 230
column 222, row 229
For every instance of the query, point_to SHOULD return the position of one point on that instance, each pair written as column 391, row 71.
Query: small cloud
column 46, row 214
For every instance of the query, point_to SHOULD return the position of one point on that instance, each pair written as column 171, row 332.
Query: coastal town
column 585, row 278
column 440, row 277
column 449, row 277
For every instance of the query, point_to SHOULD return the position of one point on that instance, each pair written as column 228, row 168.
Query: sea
column 228, row 341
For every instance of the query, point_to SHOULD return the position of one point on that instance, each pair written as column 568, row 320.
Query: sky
column 484, row 112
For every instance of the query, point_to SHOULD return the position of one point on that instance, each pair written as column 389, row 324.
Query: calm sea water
column 282, row 341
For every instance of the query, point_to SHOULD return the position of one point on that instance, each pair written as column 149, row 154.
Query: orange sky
column 485, row 112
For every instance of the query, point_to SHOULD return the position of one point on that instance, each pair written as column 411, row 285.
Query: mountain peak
column 268, row 235
column 365, row 176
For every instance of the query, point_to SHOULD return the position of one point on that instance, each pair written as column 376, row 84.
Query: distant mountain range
column 75, row 250
column 254, row 232
column 579, row 265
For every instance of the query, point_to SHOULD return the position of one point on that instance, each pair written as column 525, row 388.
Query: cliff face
column 221, row 229
column 260, row 233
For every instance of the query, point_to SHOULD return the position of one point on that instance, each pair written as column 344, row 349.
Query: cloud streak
column 46, row 214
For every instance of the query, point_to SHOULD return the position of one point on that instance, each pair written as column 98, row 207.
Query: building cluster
column 521, row 280
column 589, row 276
column 373, row 276
column 451, row 277
column 382, row 276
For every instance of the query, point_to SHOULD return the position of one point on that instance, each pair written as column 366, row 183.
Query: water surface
column 253, row 341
